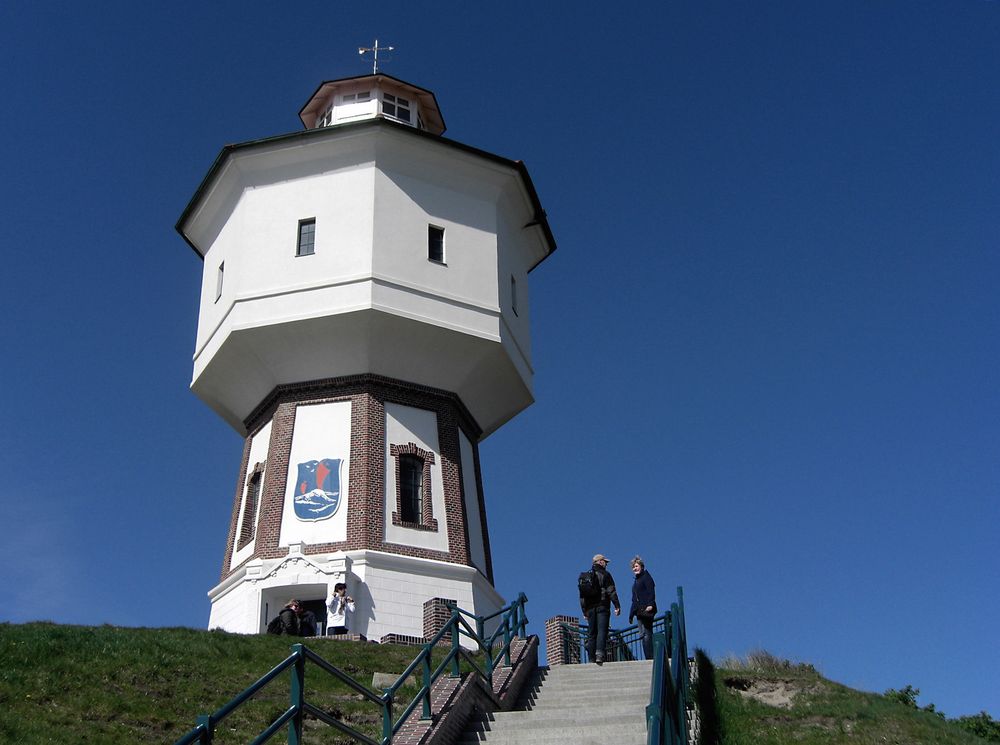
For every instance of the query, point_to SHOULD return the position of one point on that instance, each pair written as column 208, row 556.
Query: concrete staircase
column 573, row 704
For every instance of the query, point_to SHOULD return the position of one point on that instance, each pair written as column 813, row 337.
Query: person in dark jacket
column 597, row 609
column 289, row 616
column 307, row 622
column 643, row 604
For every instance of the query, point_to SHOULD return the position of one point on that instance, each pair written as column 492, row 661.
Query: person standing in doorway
column 596, row 607
column 643, row 604
column 307, row 622
column 340, row 606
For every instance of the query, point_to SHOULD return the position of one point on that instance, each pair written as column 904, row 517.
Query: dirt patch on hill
column 773, row 692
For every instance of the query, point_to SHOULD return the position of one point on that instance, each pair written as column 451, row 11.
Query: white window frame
column 305, row 222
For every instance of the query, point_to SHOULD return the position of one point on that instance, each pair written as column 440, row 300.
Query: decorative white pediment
column 298, row 565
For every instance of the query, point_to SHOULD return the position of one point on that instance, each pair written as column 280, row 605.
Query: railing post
column 386, row 716
column 507, row 636
column 297, row 695
column 427, row 683
column 488, row 656
column 522, row 624
column 456, row 671
column 206, row 735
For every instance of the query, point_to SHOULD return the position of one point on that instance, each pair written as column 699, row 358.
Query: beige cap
column 601, row 557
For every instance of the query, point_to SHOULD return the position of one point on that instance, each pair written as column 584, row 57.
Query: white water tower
column 364, row 324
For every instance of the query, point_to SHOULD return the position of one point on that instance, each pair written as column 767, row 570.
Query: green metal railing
column 666, row 714
column 622, row 645
column 511, row 623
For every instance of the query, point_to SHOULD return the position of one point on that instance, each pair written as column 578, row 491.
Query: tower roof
column 330, row 100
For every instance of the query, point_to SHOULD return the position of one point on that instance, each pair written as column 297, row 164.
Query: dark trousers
column 646, row 627
column 598, row 619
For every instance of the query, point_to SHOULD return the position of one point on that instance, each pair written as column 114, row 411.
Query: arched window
column 414, row 503
column 251, row 500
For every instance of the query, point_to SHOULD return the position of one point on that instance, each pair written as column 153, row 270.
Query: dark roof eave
column 539, row 218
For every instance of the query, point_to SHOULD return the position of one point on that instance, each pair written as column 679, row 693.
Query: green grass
column 62, row 684
column 107, row 684
column 821, row 712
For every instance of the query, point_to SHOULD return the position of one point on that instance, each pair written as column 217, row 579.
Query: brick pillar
column 437, row 612
column 560, row 648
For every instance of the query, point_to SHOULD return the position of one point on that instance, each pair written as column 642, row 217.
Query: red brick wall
column 368, row 395
column 557, row 649
column 437, row 612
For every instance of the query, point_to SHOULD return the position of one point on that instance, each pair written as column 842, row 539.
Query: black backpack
column 589, row 585
column 275, row 627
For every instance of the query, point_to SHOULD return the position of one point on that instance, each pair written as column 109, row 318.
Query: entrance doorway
column 318, row 608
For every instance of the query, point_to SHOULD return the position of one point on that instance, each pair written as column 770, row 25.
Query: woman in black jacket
column 643, row 604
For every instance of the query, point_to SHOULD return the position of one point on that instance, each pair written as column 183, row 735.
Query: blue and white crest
column 317, row 492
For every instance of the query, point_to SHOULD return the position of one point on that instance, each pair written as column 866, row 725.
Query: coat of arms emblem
column 317, row 491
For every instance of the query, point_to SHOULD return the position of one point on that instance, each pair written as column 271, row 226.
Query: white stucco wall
column 321, row 431
column 398, row 587
column 403, row 425
column 477, row 547
column 258, row 245
column 389, row 590
column 258, row 453
column 373, row 191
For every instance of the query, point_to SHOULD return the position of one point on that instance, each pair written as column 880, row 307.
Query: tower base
column 389, row 591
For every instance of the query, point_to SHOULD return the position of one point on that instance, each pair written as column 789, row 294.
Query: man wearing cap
column 597, row 609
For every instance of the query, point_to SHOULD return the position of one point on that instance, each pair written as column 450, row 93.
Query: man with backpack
column 597, row 594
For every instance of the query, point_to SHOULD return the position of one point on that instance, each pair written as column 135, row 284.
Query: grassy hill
column 69, row 684
column 767, row 701
column 76, row 684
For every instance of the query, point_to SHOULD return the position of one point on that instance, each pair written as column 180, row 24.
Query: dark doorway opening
column 318, row 608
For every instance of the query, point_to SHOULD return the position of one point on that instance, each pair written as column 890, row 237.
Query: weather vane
column 375, row 49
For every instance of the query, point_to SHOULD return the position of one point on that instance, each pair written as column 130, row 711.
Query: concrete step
column 564, row 715
column 623, row 690
column 590, row 667
column 578, row 704
column 574, row 736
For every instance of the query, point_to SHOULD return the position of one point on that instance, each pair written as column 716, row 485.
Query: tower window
column 513, row 294
column 307, row 238
column 355, row 97
column 396, row 107
column 251, row 500
column 435, row 243
column 411, row 487
column 414, row 506
column 327, row 119
column 219, row 281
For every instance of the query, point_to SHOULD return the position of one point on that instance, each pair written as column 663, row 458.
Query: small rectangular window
column 307, row 238
column 513, row 294
column 435, row 243
column 396, row 107
column 219, row 280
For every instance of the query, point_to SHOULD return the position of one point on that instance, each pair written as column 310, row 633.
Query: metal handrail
column 513, row 621
column 620, row 641
column 666, row 715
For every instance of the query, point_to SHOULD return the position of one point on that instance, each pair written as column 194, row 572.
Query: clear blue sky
column 766, row 350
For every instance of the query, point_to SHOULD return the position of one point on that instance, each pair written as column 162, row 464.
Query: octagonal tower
column 364, row 324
